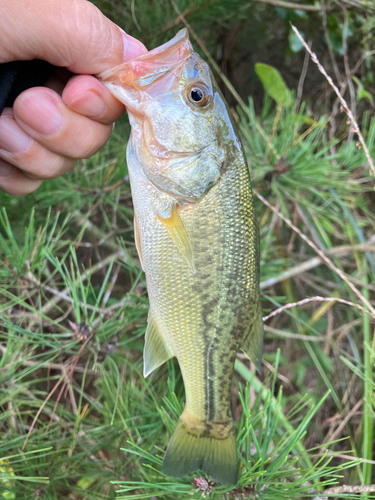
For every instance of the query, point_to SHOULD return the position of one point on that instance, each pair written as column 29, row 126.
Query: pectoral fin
column 252, row 345
column 177, row 232
column 137, row 239
column 156, row 352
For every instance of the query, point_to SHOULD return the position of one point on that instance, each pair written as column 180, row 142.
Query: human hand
column 48, row 129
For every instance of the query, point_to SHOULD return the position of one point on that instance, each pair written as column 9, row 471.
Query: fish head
column 181, row 130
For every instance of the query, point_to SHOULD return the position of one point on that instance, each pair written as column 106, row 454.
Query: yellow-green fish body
column 197, row 239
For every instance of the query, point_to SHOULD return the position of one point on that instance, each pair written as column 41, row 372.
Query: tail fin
column 208, row 448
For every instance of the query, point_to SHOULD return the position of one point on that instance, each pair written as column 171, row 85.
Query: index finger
column 85, row 95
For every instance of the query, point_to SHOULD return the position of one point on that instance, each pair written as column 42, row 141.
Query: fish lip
column 181, row 36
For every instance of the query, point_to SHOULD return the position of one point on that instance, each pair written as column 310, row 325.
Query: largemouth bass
column 197, row 240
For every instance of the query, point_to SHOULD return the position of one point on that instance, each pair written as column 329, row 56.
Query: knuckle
column 89, row 25
column 84, row 25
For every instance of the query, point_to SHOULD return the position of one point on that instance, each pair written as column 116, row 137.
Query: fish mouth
column 151, row 73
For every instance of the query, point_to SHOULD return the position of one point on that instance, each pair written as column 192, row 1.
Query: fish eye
column 198, row 94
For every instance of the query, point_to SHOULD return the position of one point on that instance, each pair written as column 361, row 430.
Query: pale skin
column 72, row 117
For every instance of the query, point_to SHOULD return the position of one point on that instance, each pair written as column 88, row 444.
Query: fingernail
column 12, row 138
column 5, row 168
column 88, row 104
column 132, row 47
column 40, row 112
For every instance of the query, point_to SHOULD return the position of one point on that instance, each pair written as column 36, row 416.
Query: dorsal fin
column 156, row 352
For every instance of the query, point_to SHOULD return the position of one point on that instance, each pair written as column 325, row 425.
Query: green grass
column 79, row 421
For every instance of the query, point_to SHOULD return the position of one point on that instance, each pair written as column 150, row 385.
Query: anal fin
column 252, row 345
column 179, row 235
column 156, row 352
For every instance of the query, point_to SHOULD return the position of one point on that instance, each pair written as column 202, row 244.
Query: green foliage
column 273, row 83
column 77, row 419
column 271, row 465
column 69, row 270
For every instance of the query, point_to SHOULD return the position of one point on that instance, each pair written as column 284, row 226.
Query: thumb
column 72, row 34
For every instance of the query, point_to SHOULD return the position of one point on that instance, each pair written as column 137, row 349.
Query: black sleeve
column 17, row 76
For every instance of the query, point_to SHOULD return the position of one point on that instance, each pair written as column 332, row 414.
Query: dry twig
column 316, row 261
column 50, row 366
column 302, row 80
column 209, row 57
column 293, row 6
column 62, row 295
column 332, row 436
column 65, row 377
column 314, row 299
column 294, row 336
column 321, row 254
column 341, row 99
column 347, row 71
column 329, row 45
column 338, row 490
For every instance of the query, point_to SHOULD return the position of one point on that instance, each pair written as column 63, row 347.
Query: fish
column 197, row 239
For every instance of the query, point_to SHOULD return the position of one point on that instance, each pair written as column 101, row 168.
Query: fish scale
column 198, row 243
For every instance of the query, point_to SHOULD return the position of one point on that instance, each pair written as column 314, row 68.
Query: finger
column 18, row 149
column 87, row 96
column 41, row 113
column 72, row 34
column 15, row 182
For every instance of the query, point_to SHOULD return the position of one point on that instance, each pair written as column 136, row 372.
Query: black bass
column 197, row 240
